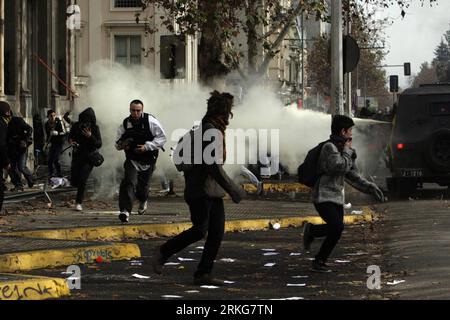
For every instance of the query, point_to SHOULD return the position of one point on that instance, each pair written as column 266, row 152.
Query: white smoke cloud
column 111, row 88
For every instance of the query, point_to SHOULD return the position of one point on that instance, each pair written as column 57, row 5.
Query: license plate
column 411, row 173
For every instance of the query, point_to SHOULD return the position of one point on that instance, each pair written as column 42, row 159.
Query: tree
column 371, row 78
column 441, row 61
column 427, row 74
column 220, row 21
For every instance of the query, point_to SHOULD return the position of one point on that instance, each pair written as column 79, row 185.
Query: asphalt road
column 242, row 261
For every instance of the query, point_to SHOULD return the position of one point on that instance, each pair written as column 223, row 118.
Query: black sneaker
column 30, row 184
column 158, row 261
column 320, row 266
column 207, row 280
column 307, row 237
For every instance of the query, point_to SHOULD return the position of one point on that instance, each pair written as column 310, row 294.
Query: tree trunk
column 252, row 35
column 265, row 64
column 211, row 58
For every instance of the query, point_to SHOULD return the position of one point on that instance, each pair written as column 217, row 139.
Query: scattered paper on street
column 342, row 261
column 291, row 298
column 192, row 291
column 138, row 276
column 172, row 264
column 295, row 254
column 395, row 282
column 209, row 287
column 296, row 284
column 171, row 297
column 269, row 250
column 269, row 264
column 229, row 282
column 227, row 260
column 271, row 254
column 185, row 259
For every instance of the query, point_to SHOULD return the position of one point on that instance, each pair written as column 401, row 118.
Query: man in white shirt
column 141, row 136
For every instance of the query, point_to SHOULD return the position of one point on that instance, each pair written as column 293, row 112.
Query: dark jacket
column 19, row 136
column 86, row 119
column 56, row 126
column 4, row 161
column 208, row 181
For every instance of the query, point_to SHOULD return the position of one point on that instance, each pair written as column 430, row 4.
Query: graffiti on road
column 17, row 292
column 91, row 255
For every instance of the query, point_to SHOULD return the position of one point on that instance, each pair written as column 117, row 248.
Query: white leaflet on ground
column 269, row 264
column 200, row 248
column 185, row 259
column 209, row 287
column 269, row 250
column 395, row 282
column 229, row 282
column 168, row 296
column 172, row 264
column 192, row 291
column 296, row 285
column 342, row 261
column 227, row 260
column 295, row 254
column 271, row 254
column 138, row 276
column 291, row 298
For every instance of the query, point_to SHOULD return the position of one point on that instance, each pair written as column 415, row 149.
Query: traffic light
column 407, row 68
column 393, row 83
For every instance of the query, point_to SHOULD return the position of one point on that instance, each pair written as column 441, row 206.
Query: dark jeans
column 134, row 185
column 54, row 154
column 208, row 217
column 79, row 174
column 18, row 167
column 333, row 215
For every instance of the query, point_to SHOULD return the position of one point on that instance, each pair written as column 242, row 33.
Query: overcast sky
column 415, row 37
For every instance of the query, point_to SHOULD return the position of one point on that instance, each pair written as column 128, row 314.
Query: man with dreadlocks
column 206, row 184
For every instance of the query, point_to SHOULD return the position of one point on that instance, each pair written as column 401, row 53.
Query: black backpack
column 308, row 171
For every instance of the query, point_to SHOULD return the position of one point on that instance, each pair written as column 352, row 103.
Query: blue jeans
column 18, row 167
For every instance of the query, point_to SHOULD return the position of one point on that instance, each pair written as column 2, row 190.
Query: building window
column 127, row 50
column 127, row 3
column 173, row 57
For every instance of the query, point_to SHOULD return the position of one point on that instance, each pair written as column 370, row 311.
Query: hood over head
column 4, row 108
column 88, row 115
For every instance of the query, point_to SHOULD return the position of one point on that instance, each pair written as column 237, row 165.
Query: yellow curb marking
column 166, row 230
column 32, row 288
column 42, row 259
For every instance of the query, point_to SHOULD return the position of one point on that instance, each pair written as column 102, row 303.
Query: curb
column 278, row 187
column 41, row 259
column 145, row 231
column 22, row 287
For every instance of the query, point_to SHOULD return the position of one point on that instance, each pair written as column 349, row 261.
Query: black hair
column 136, row 102
column 341, row 122
column 49, row 112
column 220, row 104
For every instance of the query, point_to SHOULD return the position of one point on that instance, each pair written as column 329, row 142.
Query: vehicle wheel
column 438, row 150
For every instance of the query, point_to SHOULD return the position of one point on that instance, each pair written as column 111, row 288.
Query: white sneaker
column 142, row 208
column 124, row 217
column 78, row 207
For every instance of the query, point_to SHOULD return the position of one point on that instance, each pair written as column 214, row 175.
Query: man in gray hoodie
column 336, row 166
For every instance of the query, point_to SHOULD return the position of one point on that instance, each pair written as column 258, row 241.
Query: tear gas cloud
column 111, row 89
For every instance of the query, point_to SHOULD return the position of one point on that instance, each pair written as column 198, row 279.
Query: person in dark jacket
column 19, row 139
column 55, row 138
column 5, row 117
column 337, row 166
column 140, row 136
column 205, row 187
column 85, row 138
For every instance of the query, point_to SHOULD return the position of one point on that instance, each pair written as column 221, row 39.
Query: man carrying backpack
column 336, row 165
column 140, row 136
column 205, row 186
